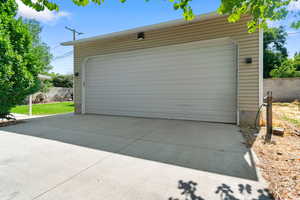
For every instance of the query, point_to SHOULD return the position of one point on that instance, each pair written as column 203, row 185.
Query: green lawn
column 46, row 109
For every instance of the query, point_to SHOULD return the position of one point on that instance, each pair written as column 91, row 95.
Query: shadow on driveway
column 189, row 191
column 203, row 146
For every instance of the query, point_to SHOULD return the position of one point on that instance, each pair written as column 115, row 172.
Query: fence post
column 269, row 117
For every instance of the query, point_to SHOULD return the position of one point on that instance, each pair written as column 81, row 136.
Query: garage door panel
column 171, row 115
column 168, row 67
column 163, row 77
column 165, row 103
column 191, row 81
column 166, row 95
column 223, row 54
column 192, row 61
column 187, row 92
column 185, row 50
column 200, row 113
column 158, row 103
column 168, row 109
column 161, row 82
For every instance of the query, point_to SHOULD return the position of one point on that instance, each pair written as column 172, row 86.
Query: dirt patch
column 280, row 164
column 279, row 160
column 287, row 116
column 288, row 112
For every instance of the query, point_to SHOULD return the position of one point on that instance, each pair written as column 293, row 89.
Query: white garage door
column 195, row 81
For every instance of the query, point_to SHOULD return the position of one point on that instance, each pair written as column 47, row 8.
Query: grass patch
column 285, row 114
column 292, row 120
column 46, row 109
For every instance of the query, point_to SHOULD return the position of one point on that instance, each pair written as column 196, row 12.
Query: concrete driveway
column 95, row 157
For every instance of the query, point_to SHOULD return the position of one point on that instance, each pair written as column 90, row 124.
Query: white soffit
column 144, row 29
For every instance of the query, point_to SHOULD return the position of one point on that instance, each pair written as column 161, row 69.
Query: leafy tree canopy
column 286, row 70
column 41, row 48
column 276, row 61
column 297, row 61
column 261, row 11
column 60, row 80
column 275, row 52
column 20, row 63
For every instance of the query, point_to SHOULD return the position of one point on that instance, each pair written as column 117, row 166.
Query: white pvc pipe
column 30, row 105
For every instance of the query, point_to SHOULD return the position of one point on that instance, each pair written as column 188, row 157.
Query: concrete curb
column 257, row 169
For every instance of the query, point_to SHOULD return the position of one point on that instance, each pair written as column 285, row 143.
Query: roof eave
column 144, row 29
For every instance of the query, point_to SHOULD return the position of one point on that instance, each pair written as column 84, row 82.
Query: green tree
column 63, row 81
column 297, row 61
column 286, row 70
column 45, row 86
column 41, row 48
column 275, row 52
column 19, row 62
column 261, row 11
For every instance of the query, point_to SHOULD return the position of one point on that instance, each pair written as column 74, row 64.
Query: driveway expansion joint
column 70, row 178
column 87, row 168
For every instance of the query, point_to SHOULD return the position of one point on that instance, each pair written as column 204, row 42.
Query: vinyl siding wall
column 248, row 45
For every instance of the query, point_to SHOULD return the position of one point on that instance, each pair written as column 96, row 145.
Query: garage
column 193, row 81
column 206, row 69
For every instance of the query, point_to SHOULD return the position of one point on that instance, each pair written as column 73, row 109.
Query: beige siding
column 201, row 30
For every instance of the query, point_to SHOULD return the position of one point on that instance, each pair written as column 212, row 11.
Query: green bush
column 20, row 63
column 45, row 86
column 287, row 69
column 63, row 81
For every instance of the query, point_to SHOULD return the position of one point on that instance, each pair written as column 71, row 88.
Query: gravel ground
column 280, row 164
column 280, row 160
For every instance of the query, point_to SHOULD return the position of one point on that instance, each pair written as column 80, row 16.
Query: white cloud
column 43, row 16
column 294, row 6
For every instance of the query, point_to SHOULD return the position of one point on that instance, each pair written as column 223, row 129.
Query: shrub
column 63, row 81
column 287, row 69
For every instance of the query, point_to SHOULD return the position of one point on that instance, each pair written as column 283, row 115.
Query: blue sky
column 109, row 17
